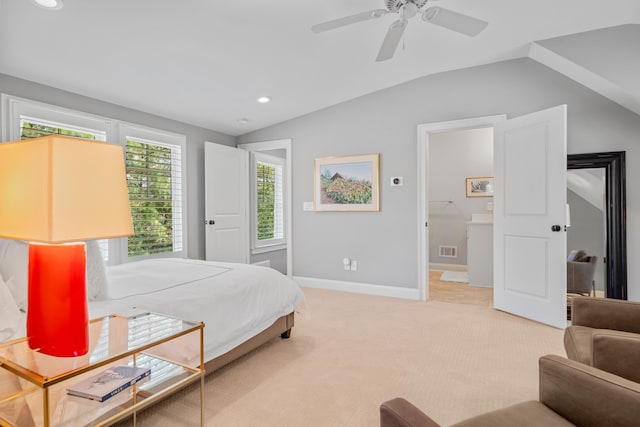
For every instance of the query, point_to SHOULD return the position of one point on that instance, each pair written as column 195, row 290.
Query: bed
column 242, row 305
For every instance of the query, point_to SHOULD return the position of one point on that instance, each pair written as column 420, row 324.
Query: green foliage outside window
column 150, row 192
column 33, row 130
column 266, row 183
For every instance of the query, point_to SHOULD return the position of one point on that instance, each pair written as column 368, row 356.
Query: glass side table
column 33, row 386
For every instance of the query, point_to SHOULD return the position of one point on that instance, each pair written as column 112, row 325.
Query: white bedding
column 235, row 301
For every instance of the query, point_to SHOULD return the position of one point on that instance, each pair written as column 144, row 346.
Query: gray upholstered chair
column 581, row 270
column 571, row 394
column 605, row 333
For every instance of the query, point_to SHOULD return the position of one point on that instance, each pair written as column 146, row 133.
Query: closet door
column 226, row 203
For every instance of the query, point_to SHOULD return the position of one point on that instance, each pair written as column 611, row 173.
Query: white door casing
column 530, row 156
column 226, row 203
column 281, row 144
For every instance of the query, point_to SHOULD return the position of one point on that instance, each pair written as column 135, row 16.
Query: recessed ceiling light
column 264, row 99
column 243, row 121
column 48, row 4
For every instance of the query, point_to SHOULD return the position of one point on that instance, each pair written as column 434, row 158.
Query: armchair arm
column 606, row 313
column 400, row 413
column 618, row 353
column 587, row 396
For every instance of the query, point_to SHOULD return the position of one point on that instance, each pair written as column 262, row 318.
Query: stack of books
column 108, row 383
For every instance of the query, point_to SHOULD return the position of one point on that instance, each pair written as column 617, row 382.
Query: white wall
column 385, row 122
column 612, row 53
column 195, row 142
column 453, row 157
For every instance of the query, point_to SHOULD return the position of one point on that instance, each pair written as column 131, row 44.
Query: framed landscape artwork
column 480, row 186
column 347, row 183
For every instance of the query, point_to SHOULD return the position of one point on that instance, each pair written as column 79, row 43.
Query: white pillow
column 96, row 273
column 12, row 320
column 14, row 268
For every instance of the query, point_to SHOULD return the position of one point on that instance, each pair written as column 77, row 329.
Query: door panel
column 530, row 197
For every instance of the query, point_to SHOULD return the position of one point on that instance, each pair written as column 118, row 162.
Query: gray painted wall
column 385, row 243
column 195, row 142
column 587, row 232
column 277, row 259
column 453, row 157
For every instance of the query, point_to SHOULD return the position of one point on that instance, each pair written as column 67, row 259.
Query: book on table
column 108, row 383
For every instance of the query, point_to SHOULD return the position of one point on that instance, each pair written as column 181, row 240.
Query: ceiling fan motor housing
column 395, row 5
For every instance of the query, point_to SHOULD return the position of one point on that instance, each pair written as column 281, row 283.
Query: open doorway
column 460, row 201
column 278, row 256
column 445, row 207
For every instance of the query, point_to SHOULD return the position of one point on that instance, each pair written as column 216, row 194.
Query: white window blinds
column 269, row 218
column 154, row 178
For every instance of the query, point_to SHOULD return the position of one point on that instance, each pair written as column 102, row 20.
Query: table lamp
column 56, row 192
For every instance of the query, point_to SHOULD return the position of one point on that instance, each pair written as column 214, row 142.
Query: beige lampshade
column 59, row 189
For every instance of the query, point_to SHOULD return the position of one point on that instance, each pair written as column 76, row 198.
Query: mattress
column 235, row 301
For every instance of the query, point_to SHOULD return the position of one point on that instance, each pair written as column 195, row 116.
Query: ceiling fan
column 407, row 9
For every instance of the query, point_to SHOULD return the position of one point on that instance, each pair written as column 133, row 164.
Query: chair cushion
column 526, row 414
column 578, row 342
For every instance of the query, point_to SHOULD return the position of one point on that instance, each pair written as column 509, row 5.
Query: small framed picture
column 480, row 186
column 347, row 183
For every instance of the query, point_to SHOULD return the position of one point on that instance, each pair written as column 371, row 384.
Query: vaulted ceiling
column 205, row 62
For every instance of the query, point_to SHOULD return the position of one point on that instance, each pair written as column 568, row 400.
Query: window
column 268, row 216
column 154, row 177
column 33, row 120
column 154, row 172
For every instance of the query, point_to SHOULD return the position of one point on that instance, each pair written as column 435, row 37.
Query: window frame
column 263, row 246
column 163, row 138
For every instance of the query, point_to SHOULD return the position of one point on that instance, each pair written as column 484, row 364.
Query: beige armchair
column 605, row 333
column 580, row 274
column 571, row 394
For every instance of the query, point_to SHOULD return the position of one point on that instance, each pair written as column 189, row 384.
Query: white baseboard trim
column 358, row 288
column 449, row 267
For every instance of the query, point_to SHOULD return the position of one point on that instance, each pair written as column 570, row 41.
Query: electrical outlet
column 346, row 263
column 354, row 265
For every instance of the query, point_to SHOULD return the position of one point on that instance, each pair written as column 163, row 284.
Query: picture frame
column 479, row 186
column 347, row 183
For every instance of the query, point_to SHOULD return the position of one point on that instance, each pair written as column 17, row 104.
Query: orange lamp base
column 57, row 315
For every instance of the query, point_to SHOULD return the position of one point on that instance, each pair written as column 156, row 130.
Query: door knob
column 555, row 228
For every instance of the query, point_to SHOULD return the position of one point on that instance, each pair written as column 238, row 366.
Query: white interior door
column 530, row 164
column 226, row 203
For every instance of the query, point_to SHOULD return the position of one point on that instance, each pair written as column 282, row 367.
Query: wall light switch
column 307, row 206
column 396, row 181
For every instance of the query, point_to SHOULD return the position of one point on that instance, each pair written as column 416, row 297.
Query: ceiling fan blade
column 391, row 40
column 454, row 21
column 348, row 20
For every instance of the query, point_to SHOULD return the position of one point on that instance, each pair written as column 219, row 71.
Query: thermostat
column 396, row 181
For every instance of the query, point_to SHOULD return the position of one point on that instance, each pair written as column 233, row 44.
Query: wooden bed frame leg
column 286, row 334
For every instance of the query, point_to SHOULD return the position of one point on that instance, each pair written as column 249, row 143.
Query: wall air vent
column 448, row 251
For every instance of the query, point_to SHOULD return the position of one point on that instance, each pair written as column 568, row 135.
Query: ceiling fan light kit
column 407, row 9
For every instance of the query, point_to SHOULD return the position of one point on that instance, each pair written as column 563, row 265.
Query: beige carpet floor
column 349, row 352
